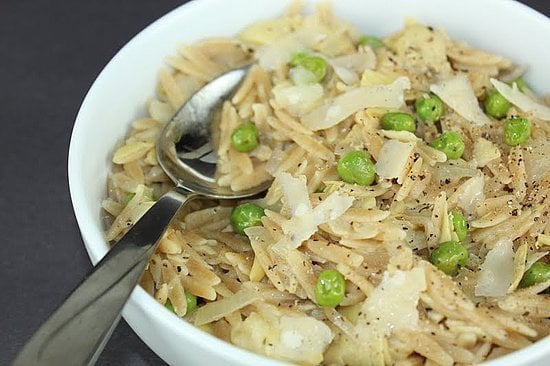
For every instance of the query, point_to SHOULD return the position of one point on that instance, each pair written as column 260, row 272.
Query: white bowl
column 118, row 96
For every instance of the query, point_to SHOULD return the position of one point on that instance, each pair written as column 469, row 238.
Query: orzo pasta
column 407, row 221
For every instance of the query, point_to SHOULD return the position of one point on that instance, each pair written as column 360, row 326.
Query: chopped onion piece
column 495, row 276
column 457, row 93
column 344, row 105
column 522, row 101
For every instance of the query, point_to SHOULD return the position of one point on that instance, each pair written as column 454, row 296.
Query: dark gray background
column 50, row 53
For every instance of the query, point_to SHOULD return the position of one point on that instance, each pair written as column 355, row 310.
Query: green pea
column 516, row 130
column 245, row 137
column 429, row 109
column 449, row 257
column 371, row 41
column 128, row 198
column 191, row 301
column 496, row 105
column 460, row 225
column 451, row 143
column 297, row 58
column 330, row 288
column 356, row 167
column 398, row 121
column 537, row 273
column 314, row 64
column 246, row 215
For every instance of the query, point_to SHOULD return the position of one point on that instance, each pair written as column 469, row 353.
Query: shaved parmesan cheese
column 332, row 207
column 522, row 101
column 404, row 288
column 303, row 339
column 344, row 349
column 403, row 136
column 268, row 31
column 457, row 93
column 298, row 339
column 536, row 159
column 348, row 76
column 302, row 224
column 300, row 228
column 328, row 38
column 469, row 194
column 241, row 333
column 344, row 105
column 304, row 220
column 298, row 99
column 485, row 151
column 349, row 67
column 300, row 76
column 372, row 77
column 393, row 160
column 272, row 55
column 496, row 274
column 442, row 219
column 421, row 49
column 295, row 193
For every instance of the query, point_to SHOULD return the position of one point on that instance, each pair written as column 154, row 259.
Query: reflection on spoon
column 77, row 332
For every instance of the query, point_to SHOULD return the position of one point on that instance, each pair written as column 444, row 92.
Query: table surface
column 50, row 53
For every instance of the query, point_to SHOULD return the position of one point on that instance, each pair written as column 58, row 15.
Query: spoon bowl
column 85, row 321
column 185, row 149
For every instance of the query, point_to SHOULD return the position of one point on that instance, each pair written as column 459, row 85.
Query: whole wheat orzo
column 259, row 291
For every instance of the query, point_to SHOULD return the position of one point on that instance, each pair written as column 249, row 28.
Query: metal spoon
column 77, row 332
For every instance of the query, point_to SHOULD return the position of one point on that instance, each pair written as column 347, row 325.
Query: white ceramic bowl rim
column 82, row 168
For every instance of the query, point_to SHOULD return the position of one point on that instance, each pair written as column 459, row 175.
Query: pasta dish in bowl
column 407, row 218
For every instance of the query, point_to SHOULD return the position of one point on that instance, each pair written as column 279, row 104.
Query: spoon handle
column 77, row 332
